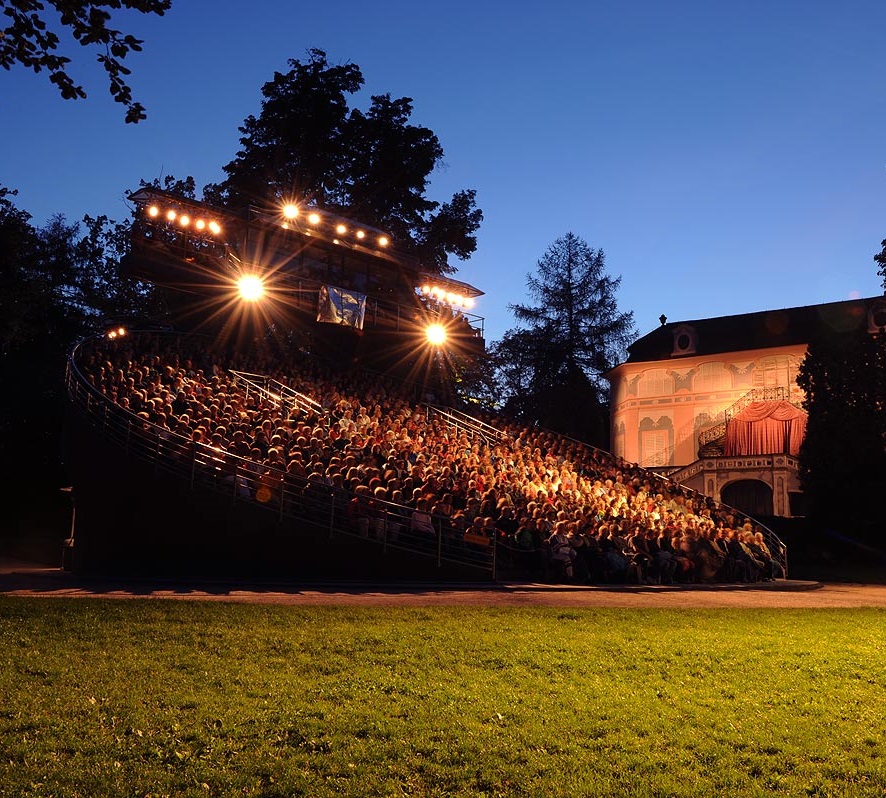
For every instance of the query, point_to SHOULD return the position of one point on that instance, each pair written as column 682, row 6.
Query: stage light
column 361, row 235
column 341, row 229
column 214, row 228
column 251, row 287
column 290, row 211
column 314, row 218
column 383, row 241
column 170, row 215
column 153, row 211
column 184, row 220
column 200, row 224
column 469, row 302
column 436, row 334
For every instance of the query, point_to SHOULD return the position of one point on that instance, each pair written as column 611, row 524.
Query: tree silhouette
column 29, row 40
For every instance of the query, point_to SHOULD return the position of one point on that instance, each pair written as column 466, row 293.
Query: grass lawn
column 137, row 698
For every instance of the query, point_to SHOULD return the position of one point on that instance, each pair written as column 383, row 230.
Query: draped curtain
column 766, row 428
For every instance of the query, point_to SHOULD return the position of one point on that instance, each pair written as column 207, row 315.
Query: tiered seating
column 524, row 500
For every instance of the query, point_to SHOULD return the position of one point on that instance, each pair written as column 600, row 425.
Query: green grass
column 137, row 698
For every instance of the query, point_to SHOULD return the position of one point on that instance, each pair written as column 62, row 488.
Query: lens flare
column 251, row 288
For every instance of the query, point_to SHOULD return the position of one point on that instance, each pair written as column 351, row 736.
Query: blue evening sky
column 727, row 157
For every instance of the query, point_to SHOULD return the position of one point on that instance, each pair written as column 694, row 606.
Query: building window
column 654, row 448
column 710, row 378
column 655, row 382
column 619, row 442
column 779, row 371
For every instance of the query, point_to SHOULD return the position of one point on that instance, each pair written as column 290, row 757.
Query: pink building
column 714, row 403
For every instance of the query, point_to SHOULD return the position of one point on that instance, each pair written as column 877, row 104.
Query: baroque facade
column 715, row 405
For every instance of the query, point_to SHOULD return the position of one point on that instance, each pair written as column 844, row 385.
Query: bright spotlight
column 341, row 229
column 290, row 211
column 436, row 334
column 214, row 228
column 383, row 241
column 314, row 218
column 153, row 211
column 251, row 288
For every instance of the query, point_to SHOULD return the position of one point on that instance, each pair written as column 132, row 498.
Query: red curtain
column 766, row 428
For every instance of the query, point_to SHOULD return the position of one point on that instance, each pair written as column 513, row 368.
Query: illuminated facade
column 687, row 388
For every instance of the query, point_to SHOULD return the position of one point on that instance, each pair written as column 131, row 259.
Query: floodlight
column 436, row 334
column 251, row 287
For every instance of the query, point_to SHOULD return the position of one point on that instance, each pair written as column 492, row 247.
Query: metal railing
column 461, row 422
column 777, row 394
column 277, row 393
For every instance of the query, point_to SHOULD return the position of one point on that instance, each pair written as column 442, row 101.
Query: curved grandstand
column 189, row 459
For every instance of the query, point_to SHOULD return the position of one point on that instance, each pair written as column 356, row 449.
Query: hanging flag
column 341, row 306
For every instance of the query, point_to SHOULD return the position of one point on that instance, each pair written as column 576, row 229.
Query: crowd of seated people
column 555, row 509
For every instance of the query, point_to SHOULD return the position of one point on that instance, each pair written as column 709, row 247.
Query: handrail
column 277, row 392
column 774, row 394
column 460, row 421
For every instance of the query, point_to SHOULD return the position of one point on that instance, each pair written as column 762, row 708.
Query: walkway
column 19, row 578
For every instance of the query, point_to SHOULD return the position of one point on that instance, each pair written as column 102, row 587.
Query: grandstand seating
column 186, row 458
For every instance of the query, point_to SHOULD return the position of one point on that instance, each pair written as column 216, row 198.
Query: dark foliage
column 60, row 283
column 843, row 459
column 309, row 147
column 550, row 370
column 29, row 40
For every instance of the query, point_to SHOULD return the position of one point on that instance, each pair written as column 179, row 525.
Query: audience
column 556, row 509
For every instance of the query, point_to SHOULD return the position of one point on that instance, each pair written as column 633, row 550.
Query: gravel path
column 28, row 579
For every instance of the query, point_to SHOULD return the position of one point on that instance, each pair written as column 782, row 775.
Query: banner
column 341, row 306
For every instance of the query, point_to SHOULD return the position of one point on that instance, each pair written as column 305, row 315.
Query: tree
column 880, row 260
column 551, row 369
column 59, row 283
column 19, row 318
column 843, row 457
column 308, row 146
column 28, row 41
